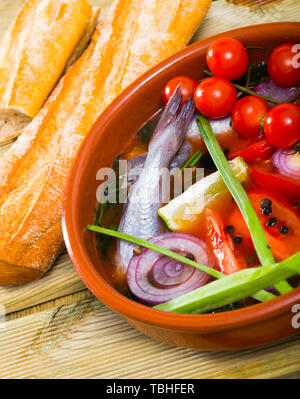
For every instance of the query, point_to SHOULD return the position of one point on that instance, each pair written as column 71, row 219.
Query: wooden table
column 55, row 328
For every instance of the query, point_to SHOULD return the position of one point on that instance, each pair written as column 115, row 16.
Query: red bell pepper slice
column 257, row 152
column 286, row 187
column 221, row 244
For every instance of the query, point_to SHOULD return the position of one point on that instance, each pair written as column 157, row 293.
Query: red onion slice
column 155, row 278
column 282, row 94
column 167, row 272
column 287, row 161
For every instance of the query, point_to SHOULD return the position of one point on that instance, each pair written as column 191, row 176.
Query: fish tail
column 171, row 110
column 186, row 114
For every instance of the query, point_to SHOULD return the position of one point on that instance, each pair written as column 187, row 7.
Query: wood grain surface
column 54, row 327
column 221, row 17
column 87, row 340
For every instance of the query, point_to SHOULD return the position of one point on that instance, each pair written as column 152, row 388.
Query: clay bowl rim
column 78, row 253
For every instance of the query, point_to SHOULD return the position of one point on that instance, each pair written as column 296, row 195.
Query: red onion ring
column 155, row 278
column 287, row 161
column 282, row 94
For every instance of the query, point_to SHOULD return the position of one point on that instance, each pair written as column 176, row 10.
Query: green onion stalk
column 232, row 288
column 260, row 296
column 239, row 194
column 192, row 161
column 225, row 290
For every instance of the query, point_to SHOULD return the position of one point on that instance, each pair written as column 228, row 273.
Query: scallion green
column 239, row 194
column 232, row 288
column 260, row 296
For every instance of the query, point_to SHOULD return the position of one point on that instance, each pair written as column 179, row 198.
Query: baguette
column 34, row 52
column 135, row 35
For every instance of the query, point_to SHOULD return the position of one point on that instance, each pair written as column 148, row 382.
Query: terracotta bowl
column 252, row 326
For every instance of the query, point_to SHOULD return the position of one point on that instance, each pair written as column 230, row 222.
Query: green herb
column 146, row 131
column 129, row 295
column 232, row 288
column 258, row 73
column 116, row 162
column 294, row 281
column 239, row 194
column 145, row 134
column 98, row 222
column 248, row 91
column 194, row 178
column 104, row 242
column 254, row 48
column 229, row 308
column 248, row 76
column 260, row 296
column 297, row 147
column 192, row 161
column 251, row 258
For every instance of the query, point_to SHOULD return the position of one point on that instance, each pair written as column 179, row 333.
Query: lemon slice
column 188, row 207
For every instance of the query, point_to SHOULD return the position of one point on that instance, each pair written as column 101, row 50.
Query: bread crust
column 35, row 51
column 134, row 36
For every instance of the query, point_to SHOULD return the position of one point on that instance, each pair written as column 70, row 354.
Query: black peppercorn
column 190, row 256
column 271, row 222
column 266, row 211
column 229, row 228
column 237, row 239
column 283, row 229
column 265, row 203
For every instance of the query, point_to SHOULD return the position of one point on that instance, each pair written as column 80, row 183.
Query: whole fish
column 139, row 217
column 135, row 165
column 219, row 126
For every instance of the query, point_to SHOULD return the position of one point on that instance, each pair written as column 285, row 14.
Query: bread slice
column 134, row 36
column 44, row 38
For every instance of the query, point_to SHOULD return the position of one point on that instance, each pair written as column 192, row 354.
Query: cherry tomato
column 215, row 97
column 282, row 125
column 227, row 58
column 257, row 152
column 221, row 244
column 247, row 115
column 283, row 65
column 281, row 226
column 271, row 181
column 187, row 88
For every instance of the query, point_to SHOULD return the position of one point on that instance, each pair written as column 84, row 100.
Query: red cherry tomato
column 257, row 152
column 283, row 65
column 215, row 97
column 227, row 58
column 271, row 181
column 247, row 115
column 187, row 88
column 282, row 245
column 282, row 125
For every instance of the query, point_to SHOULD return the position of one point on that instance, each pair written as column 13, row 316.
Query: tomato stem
column 254, row 48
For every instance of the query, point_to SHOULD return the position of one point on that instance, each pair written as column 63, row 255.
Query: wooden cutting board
column 56, row 328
